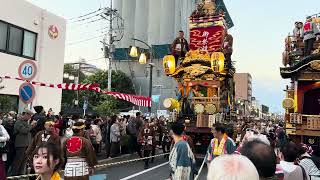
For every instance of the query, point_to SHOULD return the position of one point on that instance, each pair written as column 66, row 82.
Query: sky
column 259, row 32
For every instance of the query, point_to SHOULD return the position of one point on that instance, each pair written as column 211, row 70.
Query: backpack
column 132, row 127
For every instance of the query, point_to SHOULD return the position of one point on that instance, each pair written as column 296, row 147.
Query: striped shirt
column 311, row 169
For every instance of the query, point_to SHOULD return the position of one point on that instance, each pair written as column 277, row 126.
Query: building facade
column 37, row 35
column 243, row 83
column 156, row 22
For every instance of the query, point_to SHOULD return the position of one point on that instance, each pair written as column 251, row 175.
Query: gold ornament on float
column 199, row 108
column 315, row 65
column 288, row 103
column 211, row 108
column 311, row 141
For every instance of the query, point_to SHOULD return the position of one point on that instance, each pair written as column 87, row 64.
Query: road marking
column 142, row 172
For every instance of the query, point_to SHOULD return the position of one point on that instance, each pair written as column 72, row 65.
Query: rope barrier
column 129, row 161
column 97, row 166
column 22, row 176
column 201, row 167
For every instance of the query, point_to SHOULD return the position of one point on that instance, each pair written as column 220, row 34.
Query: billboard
column 265, row 109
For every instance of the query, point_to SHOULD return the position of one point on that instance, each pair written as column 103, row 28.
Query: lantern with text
column 217, row 61
column 169, row 64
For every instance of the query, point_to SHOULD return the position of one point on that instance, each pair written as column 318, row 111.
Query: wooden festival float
column 204, row 77
column 302, row 102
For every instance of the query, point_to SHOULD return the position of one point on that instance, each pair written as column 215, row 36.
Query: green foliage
column 107, row 107
column 69, row 96
column 5, row 103
column 104, row 104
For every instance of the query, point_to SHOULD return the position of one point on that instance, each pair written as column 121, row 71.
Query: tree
column 107, row 107
column 69, row 96
column 105, row 104
column 5, row 103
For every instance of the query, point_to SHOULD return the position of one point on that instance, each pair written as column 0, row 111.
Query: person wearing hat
column 47, row 135
column 22, row 140
column 309, row 34
column 297, row 33
column 146, row 138
column 79, row 154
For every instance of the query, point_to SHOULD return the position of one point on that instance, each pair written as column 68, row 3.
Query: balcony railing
column 310, row 122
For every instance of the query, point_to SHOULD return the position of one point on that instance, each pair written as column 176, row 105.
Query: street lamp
column 134, row 51
column 143, row 60
column 71, row 77
column 66, row 76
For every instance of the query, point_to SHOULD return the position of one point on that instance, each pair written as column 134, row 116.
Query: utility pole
column 110, row 48
column 110, row 15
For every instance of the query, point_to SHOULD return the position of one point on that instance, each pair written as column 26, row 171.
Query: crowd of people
column 260, row 149
column 22, row 135
column 47, row 143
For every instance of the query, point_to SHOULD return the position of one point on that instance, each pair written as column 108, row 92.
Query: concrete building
column 28, row 32
column 157, row 23
column 243, row 83
column 86, row 68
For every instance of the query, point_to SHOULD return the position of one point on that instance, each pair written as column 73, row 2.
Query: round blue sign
column 26, row 93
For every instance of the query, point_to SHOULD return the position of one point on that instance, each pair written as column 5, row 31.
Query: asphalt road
column 159, row 170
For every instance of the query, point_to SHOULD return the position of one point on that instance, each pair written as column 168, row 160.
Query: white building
column 156, row 22
column 28, row 32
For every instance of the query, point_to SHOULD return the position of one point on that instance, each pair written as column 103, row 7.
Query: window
column 29, row 44
column 3, row 35
column 15, row 40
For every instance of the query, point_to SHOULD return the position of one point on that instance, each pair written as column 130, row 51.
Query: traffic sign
column 26, row 93
column 27, row 70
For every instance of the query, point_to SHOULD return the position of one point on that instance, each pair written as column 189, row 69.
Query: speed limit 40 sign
column 27, row 70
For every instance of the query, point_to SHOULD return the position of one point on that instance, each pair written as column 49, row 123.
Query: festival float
column 302, row 102
column 205, row 74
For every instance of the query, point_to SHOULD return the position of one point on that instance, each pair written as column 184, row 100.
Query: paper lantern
column 169, row 64
column 143, row 58
column 171, row 104
column 217, row 61
column 133, row 51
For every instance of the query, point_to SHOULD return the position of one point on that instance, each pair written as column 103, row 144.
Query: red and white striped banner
column 134, row 99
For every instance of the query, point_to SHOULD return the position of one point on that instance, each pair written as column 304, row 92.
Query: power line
column 102, row 30
column 85, row 14
column 83, row 19
column 84, row 40
column 90, row 22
